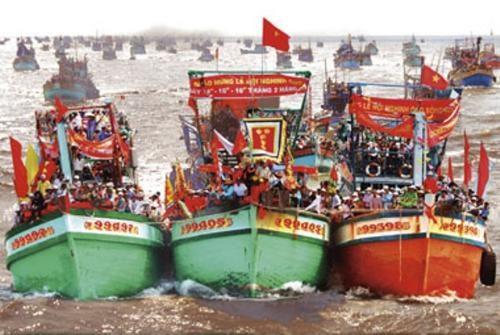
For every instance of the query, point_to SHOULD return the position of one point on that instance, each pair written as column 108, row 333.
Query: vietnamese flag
column 20, row 173
column 483, row 173
column 274, row 37
column 467, row 165
column 429, row 77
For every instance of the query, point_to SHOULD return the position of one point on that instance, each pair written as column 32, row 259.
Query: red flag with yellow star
column 274, row 37
column 429, row 77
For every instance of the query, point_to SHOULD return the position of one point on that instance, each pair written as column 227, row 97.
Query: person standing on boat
column 409, row 199
column 316, row 204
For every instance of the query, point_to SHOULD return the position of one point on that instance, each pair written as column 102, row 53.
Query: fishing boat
column 119, row 45
column 413, row 61
column 284, row 60
column 468, row 70
column 473, row 75
column 25, row 58
column 247, row 42
column 137, row 46
column 306, row 55
column 371, row 48
column 108, row 52
column 258, row 49
column 172, row 50
column 346, row 57
column 320, row 44
column 84, row 249
column 96, row 45
column 45, row 47
column 431, row 249
column 161, row 45
column 249, row 247
column 411, row 48
column 206, row 56
column 73, row 82
column 220, row 42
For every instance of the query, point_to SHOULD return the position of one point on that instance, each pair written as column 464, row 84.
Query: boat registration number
column 32, row 237
column 383, row 227
column 115, row 227
column 300, row 225
column 210, row 224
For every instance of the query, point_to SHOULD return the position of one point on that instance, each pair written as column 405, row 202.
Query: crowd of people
column 96, row 183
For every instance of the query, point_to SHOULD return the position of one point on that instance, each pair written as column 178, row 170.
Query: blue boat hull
column 349, row 64
column 478, row 79
column 26, row 66
column 76, row 94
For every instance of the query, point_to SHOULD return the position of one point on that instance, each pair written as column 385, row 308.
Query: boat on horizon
column 25, row 58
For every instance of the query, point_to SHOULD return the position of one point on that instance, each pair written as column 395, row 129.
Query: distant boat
column 118, row 46
column 284, row 60
column 96, row 46
column 108, row 53
column 306, row 55
column 258, row 49
column 45, row 47
column 72, row 84
column 472, row 75
column 138, row 46
column 371, row 48
column 320, row 44
column 172, row 50
column 161, row 45
column 247, row 42
column 206, row 56
column 220, row 42
column 413, row 61
column 25, row 58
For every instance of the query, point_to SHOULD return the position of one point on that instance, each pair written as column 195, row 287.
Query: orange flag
column 240, row 143
column 483, row 173
column 274, row 37
column 429, row 77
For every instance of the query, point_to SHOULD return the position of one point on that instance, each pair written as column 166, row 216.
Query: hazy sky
column 237, row 17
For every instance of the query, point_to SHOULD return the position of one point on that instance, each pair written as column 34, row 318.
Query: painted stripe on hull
column 481, row 80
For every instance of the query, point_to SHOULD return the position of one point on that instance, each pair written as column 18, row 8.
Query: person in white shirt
column 240, row 189
column 316, row 204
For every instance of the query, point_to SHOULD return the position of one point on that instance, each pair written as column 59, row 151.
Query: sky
column 238, row 18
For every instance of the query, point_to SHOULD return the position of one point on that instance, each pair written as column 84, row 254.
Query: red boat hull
column 407, row 255
column 414, row 267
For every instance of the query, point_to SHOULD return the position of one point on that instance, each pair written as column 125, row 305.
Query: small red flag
column 20, row 173
column 432, row 78
column 333, row 174
column 240, row 143
column 467, row 165
column 450, row 169
column 439, row 171
column 61, row 109
column 483, row 174
column 274, row 37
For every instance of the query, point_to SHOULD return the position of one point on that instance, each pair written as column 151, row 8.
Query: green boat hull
column 82, row 256
column 249, row 254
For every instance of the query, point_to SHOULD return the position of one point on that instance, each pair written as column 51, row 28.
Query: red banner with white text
column 98, row 149
column 435, row 110
column 247, row 86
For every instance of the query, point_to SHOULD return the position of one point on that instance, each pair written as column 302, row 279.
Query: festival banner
column 435, row 110
column 267, row 137
column 247, row 86
column 437, row 132
column 403, row 129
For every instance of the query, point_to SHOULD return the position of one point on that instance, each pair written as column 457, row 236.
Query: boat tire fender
column 373, row 169
column 488, row 270
column 405, row 171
